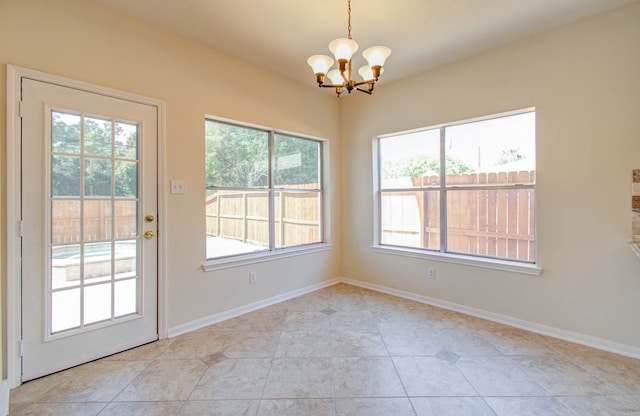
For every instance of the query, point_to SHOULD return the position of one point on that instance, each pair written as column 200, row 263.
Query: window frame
column 273, row 251
column 442, row 254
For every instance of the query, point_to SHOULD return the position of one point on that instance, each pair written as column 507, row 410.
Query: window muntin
column 264, row 190
column 466, row 188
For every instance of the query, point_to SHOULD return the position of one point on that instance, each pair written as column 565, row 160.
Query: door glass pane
column 126, row 219
column 126, row 299
column 97, row 220
column 97, row 262
column 126, row 259
column 65, row 132
column 94, row 221
column 97, row 303
column 65, row 221
column 97, row 137
column 97, row 177
column 65, row 267
column 65, row 176
column 126, row 142
column 65, row 310
column 126, row 176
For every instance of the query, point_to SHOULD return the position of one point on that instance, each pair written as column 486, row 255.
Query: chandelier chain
column 349, row 17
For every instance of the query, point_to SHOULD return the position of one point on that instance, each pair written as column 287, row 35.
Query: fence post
column 244, row 217
column 219, row 208
column 281, row 201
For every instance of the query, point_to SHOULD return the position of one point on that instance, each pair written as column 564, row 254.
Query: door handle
column 149, row 234
column 149, row 218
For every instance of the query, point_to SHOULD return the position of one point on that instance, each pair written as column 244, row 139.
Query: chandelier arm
column 369, row 81
column 331, row 85
column 365, row 91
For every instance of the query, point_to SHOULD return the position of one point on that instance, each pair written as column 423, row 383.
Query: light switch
column 178, row 187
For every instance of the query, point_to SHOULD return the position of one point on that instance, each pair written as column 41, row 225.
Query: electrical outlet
column 178, row 186
column 252, row 277
column 431, row 273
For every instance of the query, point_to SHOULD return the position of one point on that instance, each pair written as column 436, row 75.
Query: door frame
column 13, row 293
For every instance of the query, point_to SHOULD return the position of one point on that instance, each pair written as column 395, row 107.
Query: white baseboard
column 4, row 397
column 598, row 343
column 582, row 339
column 232, row 313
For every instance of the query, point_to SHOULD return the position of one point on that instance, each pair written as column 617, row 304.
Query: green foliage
column 239, row 157
column 455, row 166
column 297, row 161
column 126, row 178
column 236, row 157
column 424, row 165
column 67, row 143
column 65, row 177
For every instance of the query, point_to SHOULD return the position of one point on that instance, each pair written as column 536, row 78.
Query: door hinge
column 21, row 108
column 20, row 228
column 21, row 347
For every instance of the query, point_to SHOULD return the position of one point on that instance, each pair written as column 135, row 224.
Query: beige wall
column 583, row 80
column 83, row 41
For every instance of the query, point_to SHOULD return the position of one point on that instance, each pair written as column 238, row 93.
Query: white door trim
column 13, row 195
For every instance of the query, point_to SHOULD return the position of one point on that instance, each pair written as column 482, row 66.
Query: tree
column 424, row 165
column 239, row 157
column 508, row 156
column 65, row 138
column 296, row 161
column 236, row 157
column 67, row 143
column 126, row 171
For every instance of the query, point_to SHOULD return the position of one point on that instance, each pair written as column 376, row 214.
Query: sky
column 479, row 144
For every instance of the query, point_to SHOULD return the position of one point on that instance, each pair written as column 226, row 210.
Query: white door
column 89, row 219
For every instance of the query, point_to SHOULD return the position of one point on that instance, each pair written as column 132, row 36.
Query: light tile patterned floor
column 345, row 351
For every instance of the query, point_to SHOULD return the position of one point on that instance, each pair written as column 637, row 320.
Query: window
column 264, row 190
column 466, row 188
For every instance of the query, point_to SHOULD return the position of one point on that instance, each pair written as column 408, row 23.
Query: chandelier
column 343, row 49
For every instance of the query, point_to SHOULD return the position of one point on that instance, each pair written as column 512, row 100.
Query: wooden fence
column 97, row 220
column 494, row 223
column 244, row 216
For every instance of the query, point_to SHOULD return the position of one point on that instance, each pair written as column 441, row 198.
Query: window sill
column 511, row 266
column 263, row 256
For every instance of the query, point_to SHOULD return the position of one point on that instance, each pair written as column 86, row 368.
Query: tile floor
column 345, row 351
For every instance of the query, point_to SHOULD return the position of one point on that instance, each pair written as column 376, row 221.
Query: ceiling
column 280, row 35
